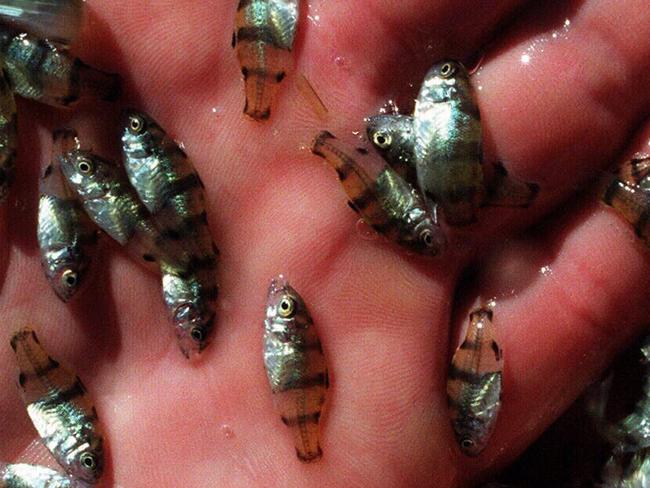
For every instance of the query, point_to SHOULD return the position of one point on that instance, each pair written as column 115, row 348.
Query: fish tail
column 98, row 84
column 506, row 191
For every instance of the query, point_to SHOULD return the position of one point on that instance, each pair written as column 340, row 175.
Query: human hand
column 569, row 290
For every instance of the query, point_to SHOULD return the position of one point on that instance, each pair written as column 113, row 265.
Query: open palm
column 562, row 91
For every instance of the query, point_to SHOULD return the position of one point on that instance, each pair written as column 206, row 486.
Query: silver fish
column 8, row 136
column 393, row 137
column 39, row 70
column 385, row 201
column 57, row 20
column 296, row 367
column 447, row 129
column 66, row 237
column 114, row 207
column 474, row 384
column 263, row 39
column 60, row 409
column 168, row 185
column 32, row 476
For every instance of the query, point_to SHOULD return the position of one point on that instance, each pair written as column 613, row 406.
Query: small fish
column 60, row 409
column 630, row 199
column 38, row 70
column 57, row 20
column 393, row 137
column 263, row 39
column 384, row 200
column 474, row 384
column 447, row 131
column 168, row 185
column 66, row 237
column 295, row 366
column 114, row 207
column 8, row 136
column 31, row 476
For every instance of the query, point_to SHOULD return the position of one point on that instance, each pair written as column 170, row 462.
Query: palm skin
column 387, row 321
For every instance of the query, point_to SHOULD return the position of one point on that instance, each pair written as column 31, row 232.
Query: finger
column 561, row 94
column 580, row 297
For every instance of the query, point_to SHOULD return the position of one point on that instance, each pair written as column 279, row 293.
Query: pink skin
column 384, row 317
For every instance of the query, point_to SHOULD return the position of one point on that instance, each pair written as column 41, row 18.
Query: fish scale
column 295, row 366
column 66, row 236
column 263, row 39
column 32, row 476
column 168, row 185
column 59, row 408
column 8, row 136
column 474, row 384
column 385, row 201
column 39, row 70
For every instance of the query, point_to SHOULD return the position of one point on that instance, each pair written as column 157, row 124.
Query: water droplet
column 216, row 110
column 313, row 15
column 366, row 232
column 525, row 58
column 341, row 62
column 182, row 146
column 546, row 270
column 227, row 431
column 491, row 303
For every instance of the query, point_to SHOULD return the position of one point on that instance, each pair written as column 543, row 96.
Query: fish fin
column 506, row 191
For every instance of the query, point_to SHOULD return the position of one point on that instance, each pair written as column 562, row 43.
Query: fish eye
column 287, row 307
column 136, row 124
column 69, row 278
column 382, row 140
column 467, row 443
column 447, row 70
column 85, row 166
column 427, row 238
column 197, row 334
column 88, row 461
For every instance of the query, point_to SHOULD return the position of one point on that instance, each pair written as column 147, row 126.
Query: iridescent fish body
column 66, row 236
column 474, row 384
column 39, row 70
column 447, row 130
column 8, row 136
column 60, row 409
column 111, row 203
column 629, row 194
column 263, row 39
column 172, row 191
column 57, row 20
column 295, row 366
column 393, row 137
column 32, row 476
column 386, row 202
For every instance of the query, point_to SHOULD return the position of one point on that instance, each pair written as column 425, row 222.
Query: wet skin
column 384, row 318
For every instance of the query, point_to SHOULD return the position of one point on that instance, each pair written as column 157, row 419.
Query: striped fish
column 627, row 194
column 114, row 207
column 474, row 384
column 60, row 409
column 172, row 191
column 295, row 366
column 57, row 20
column 8, row 136
column 66, row 237
column 447, row 131
column 387, row 203
column 264, row 34
column 393, row 137
column 31, row 476
column 38, row 70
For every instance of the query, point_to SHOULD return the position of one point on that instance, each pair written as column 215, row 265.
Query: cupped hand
column 563, row 89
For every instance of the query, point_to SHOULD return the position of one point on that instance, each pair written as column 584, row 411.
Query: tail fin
column 506, row 191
